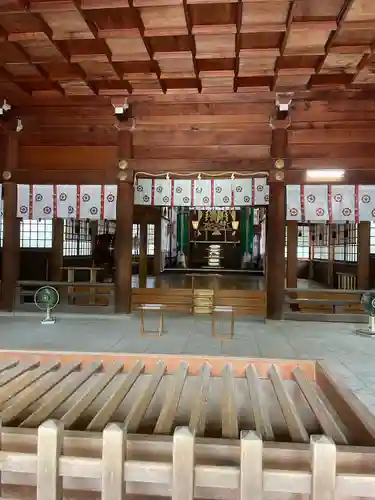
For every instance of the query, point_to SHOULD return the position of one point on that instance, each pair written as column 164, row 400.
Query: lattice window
column 352, row 243
column 106, row 227
column 372, row 238
column 150, row 239
column 303, row 242
column 77, row 238
column 36, row 234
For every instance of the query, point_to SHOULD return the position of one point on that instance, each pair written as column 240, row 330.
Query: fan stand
column 48, row 319
column 370, row 331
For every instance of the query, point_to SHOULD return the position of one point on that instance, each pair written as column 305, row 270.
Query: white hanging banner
column 222, row 193
column 90, row 202
column 343, row 203
column 143, row 192
column 109, row 202
column 293, row 202
column 24, row 201
column 181, row 193
column 314, row 200
column 260, row 191
column 202, row 193
column 66, row 201
column 242, row 192
column 162, row 192
column 43, row 202
column 366, row 203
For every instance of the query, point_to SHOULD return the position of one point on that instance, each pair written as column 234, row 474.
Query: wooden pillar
column 291, row 259
column 93, row 233
column 143, row 254
column 157, row 246
column 363, row 266
column 124, row 228
column 56, row 255
column 11, row 234
column 275, row 269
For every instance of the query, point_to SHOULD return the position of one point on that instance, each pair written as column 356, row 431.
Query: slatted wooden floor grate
column 79, row 426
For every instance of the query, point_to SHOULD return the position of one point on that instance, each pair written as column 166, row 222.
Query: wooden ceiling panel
column 291, row 81
column 216, row 64
column 214, row 46
column 313, row 10
column 9, row 52
column 341, row 63
column 354, row 37
column 112, row 23
column 259, row 14
column 62, row 71
column 22, row 70
column 160, row 21
column 103, row 4
column 361, row 10
column 128, row 49
column 307, row 38
column 67, row 26
column 84, row 50
column 213, row 18
column 22, row 26
column 98, row 70
column 77, row 88
column 41, row 51
column 269, row 40
column 256, row 63
column 180, row 43
column 136, row 67
column 176, row 63
column 111, row 87
column 365, row 77
column 299, row 62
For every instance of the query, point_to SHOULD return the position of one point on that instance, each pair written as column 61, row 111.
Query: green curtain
column 183, row 236
column 247, row 243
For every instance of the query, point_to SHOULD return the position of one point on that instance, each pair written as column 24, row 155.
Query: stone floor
column 350, row 356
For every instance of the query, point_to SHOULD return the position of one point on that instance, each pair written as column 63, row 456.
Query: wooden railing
column 244, row 302
column 72, row 295
column 324, row 301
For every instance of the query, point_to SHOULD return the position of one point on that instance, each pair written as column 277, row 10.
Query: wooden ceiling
column 147, row 47
column 201, row 77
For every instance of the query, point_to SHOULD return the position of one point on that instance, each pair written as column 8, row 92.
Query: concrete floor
column 350, row 356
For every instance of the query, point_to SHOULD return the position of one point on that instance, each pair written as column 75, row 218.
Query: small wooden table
column 223, row 310
column 154, row 308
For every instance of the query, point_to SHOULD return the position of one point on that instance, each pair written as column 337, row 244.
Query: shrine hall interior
column 188, row 153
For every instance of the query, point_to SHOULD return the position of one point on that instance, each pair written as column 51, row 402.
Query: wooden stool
column 155, row 308
column 223, row 310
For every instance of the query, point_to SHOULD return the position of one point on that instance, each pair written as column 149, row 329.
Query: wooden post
column 275, row 269
column 143, row 254
column 11, row 243
column 157, row 246
column 291, row 259
column 56, row 255
column 363, row 266
column 124, row 228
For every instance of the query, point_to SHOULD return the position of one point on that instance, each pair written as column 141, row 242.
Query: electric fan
column 47, row 298
column 368, row 301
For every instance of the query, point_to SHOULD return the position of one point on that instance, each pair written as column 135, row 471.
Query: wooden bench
column 172, row 299
column 310, row 301
column 244, row 302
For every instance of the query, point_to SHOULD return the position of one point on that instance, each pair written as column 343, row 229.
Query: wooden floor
column 225, row 281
